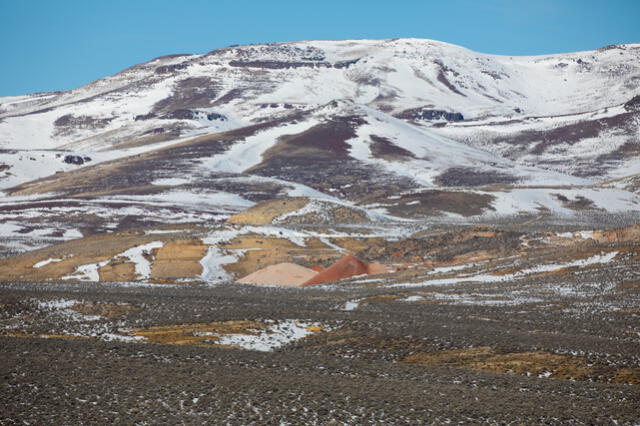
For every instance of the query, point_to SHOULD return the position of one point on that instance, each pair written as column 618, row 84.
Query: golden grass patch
column 44, row 336
column 204, row 334
column 178, row 259
column 265, row 212
column 557, row 366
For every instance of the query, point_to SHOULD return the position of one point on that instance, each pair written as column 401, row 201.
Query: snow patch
column 596, row 259
column 138, row 255
column 350, row 305
column 46, row 262
column 171, row 182
column 273, row 337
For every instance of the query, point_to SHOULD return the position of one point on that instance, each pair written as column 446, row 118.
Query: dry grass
column 178, row 259
column 194, row 334
column 83, row 251
column 485, row 358
column 45, row 336
column 265, row 212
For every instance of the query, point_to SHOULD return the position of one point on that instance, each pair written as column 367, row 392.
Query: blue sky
column 61, row 44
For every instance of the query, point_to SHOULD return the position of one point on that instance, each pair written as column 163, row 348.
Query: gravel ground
column 350, row 373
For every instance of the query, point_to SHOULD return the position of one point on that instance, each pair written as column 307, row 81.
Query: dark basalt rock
column 81, row 121
column 579, row 203
column 76, row 159
column 167, row 69
column 155, row 131
column 69, row 124
column 180, row 114
column 384, row 148
column 215, row 116
column 291, row 64
column 345, row 64
column 633, row 104
column 189, row 114
column 465, row 176
column 193, row 92
column 429, row 114
column 144, row 116
column 278, row 64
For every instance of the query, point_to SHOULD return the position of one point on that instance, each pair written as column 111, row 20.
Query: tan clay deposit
column 290, row 274
column 284, row 274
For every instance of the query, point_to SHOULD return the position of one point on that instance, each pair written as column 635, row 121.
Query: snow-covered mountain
column 361, row 121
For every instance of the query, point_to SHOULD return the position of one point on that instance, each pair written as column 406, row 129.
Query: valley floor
column 557, row 345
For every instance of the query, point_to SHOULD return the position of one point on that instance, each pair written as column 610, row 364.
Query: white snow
column 596, row 259
column 46, row 262
column 110, row 337
column 273, row 337
column 222, row 201
column 412, row 299
column 171, row 181
column 215, row 259
column 137, row 256
column 516, row 201
column 350, row 305
column 248, row 153
column 87, row 272
column 57, row 304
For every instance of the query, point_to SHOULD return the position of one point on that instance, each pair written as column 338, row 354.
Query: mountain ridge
column 408, row 114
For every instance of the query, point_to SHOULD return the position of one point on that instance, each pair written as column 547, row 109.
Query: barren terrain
column 481, row 324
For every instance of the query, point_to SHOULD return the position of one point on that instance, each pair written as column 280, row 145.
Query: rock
column 155, row 131
column 215, row 116
column 180, row 114
column 167, row 69
column 189, row 114
column 430, row 115
column 144, row 116
column 633, row 104
column 75, row 159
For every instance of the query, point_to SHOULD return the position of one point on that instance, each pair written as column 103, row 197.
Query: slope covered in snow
column 424, row 81
column 406, row 127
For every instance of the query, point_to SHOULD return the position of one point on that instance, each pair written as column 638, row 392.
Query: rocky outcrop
column 278, row 65
column 466, row 176
column 69, row 124
column 168, row 69
column 633, row 104
column 429, row 115
column 76, row 159
column 183, row 114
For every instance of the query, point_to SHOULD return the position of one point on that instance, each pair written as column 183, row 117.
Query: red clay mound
column 346, row 267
